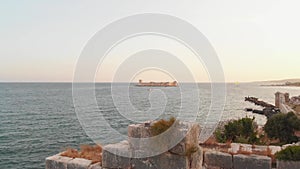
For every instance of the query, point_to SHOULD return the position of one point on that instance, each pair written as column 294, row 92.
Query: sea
column 38, row 120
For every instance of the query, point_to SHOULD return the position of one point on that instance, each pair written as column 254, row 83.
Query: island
column 157, row 84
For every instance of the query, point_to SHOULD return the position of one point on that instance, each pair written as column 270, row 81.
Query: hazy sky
column 254, row 39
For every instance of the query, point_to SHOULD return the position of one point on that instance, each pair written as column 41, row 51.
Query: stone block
column 95, row 166
column 188, row 135
column 197, row 159
column 287, row 145
column 234, row 148
column 79, row 163
column 164, row 161
column 182, row 137
column 288, row 164
column 218, row 159
column 179, row 149
column 275, row 149
column 251, row 162
column 246, row 148
column 171, row 161
column 116, row 155
column 57, row 162
column 140, row 138
column 139, row 130
column 257, row 148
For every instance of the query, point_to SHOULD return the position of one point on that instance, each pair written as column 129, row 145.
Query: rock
column 246, row 148
column 95, row 166
column 179, row 149
column 235, row 147
column 139, row 131
column 164, row 161
column 79, row 163
column 275, row 149
column 57, row 162
column 187, row 134
column 116, row 155
column 288, row 164
column 214, row 159
column 182, row 137
column 171, row 161
column 197, row 159
column 257, row 148
column 251, row 162
column 287, row 145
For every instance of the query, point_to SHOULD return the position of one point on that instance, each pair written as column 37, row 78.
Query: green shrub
column 221, row 138
column 291, row 153
column 242, row 130
column 282, row 126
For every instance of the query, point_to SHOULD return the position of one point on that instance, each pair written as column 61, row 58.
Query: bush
column 242, row 130
column 283, row 126
column 291, row 153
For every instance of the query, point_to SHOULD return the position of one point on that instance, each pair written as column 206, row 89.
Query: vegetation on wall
column 161, row 126
column 291, row 153
column 93, row 153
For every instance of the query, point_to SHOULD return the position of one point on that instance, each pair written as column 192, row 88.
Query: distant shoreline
column 287, row 84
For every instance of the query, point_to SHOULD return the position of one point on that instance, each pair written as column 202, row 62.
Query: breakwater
column 269, row 109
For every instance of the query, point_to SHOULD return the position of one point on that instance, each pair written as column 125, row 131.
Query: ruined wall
column 123, row 155
column 281, row 101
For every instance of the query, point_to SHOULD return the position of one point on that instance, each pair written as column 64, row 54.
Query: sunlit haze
column 255, row 40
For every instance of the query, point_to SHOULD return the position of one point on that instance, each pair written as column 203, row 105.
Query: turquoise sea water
column 38, row 120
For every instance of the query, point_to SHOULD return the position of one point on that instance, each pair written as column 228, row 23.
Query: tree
column 242, row 130
column 283, row 126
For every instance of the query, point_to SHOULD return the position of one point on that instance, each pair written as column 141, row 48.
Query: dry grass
column 161, row 126
column 191, row 150
column 93, row 153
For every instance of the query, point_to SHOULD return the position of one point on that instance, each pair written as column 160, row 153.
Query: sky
column 40, row 41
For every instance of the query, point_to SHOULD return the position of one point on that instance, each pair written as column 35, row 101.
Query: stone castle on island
column 157, row 84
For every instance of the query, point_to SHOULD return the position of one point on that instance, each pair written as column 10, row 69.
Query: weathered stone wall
column 61, row 162
column 281, row 100
column 137, row 154
column 187, row 154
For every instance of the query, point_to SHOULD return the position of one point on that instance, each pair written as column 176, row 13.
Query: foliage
column 161, row 126
column 93, row 153
column 242, row 130
column 220, row 136
column 282, row 127
column 291, row 153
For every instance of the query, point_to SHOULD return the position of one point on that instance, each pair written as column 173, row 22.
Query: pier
column 269, row 109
